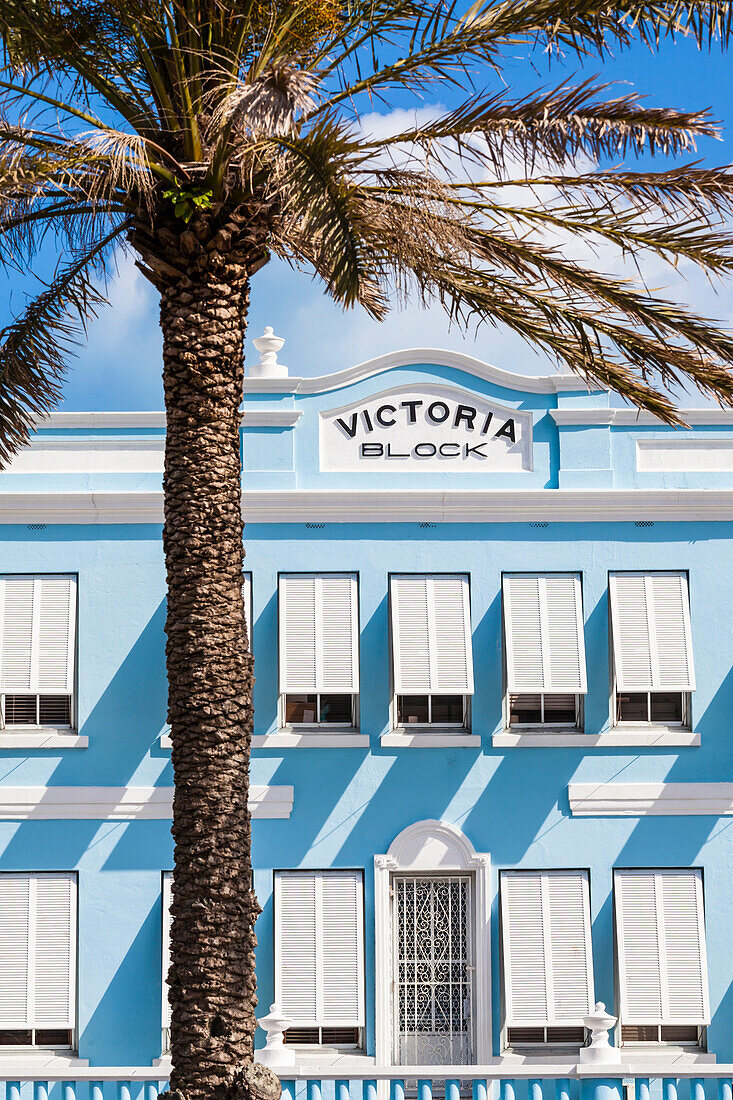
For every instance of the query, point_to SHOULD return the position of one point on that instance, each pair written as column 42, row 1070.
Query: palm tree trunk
column 212, row 976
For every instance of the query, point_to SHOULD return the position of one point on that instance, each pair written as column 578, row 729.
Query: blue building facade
column 492, row 767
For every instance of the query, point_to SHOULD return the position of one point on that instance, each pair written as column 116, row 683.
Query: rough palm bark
column 210, row 669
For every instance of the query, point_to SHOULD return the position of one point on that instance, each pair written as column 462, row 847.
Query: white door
column 433, row 970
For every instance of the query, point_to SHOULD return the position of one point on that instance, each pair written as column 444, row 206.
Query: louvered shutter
column 543, row 625
column 247, row 600
column 319, row 947
column 38, row 634
column 660, row 942
column 55, row 951
column 431, row 635
column 37, row 951
column 166, row 952
column 319, row 633
column 652, row 640
column 547, row 954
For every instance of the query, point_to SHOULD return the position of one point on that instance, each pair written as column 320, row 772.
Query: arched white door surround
column 432, row 847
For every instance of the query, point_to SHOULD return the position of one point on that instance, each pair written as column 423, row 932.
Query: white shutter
column 247, row 600
column 547, row 953
column 660, row 942
column 319, row 947
column 431, row 635
column 14, row 942
column 55, row 951
column 38, row 634
column 652, row 640
column 166, row 953
column 319, row 633
column 543, row 626
column 37, row 951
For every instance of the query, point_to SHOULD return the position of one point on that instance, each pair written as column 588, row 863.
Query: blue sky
column 119, row 366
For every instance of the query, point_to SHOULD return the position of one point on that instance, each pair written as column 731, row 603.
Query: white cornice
column 650, row 799
column 387, row 506
column 634, row 417
column 101, row 420
column 456, row 360
column 120, row 803
column 270, row 418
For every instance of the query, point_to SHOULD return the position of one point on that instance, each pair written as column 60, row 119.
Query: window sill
column 25, row 1060
column 42, row 739
column 435, row 738
column 292, row 739
column 633, row 737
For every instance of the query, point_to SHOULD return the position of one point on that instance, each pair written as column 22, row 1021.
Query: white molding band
column 430, row 739
column 292, row 740
column 270, row 418
column 650, row 799
column 120, row 803
column 623, row 417
column 69, row 420
column 387, row 506
column 416, row 357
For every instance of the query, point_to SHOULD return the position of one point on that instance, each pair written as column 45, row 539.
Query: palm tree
column 208, row 135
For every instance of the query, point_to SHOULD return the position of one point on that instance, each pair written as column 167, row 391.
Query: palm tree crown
column 121, row 119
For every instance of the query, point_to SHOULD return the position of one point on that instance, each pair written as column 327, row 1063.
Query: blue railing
column 515, row 1082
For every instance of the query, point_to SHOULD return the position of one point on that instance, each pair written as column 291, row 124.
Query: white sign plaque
column 425, row 426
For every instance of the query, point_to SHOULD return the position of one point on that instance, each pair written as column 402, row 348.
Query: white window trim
column 318, row 728
column 432, row 847
column 47, row 738
column 437, row 731
column 562, row 728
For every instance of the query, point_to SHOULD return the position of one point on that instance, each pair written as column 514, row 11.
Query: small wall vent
column 36, row 526
column 539, row 523
column 315, row 526
column 643, row 522
column 428, row 525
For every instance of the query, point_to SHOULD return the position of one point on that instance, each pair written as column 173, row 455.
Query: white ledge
column 643, row 737
column 121, row 803
column 42, row 739
column 635, row 416
column 286, row 739
column 417, row 357
column 270, row 418
column 387, row 506
column 154, row 419
column 650, row 799
column 430, row 739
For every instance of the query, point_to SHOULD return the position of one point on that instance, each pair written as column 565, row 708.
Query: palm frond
column 34, row 347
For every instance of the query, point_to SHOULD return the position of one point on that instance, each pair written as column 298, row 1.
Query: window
column 432, row 661
column 548, row 968
column 319, row 649
column 37, row 960
column 545, row 649
column 652, row 648
column 660, row 956
column 165, row 1006
column 319, row 955
column 38, row 615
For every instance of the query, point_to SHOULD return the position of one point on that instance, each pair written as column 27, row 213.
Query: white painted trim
column 165, row 741
column 387, row 506
column 650, row 799
column 20, row 1063
column 411, row 357
column 120, row 803
column 153, row 419
column 418, row 848
column 270, row 418
column 430, row 740
column 43, row 739
column 632, row 417
column 643, row 737
column 285, row 740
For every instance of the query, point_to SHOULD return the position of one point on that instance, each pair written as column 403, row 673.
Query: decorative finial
column 599, row 1023
column 275, row 1054
column 268, row 345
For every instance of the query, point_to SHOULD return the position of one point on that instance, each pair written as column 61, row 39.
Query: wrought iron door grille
column 433, row 971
